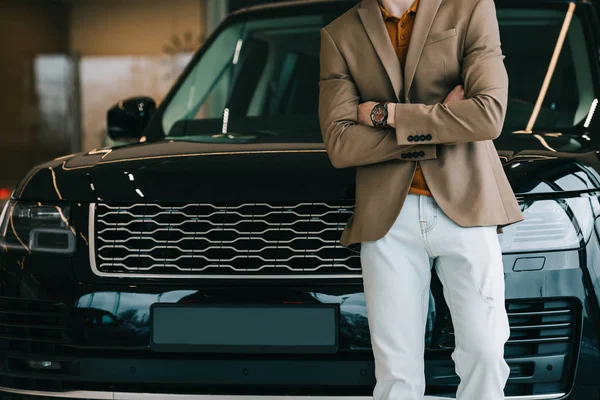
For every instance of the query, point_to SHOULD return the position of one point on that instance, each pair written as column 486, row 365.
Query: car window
column 258, row 78
column 258, row 81
column 528, row 41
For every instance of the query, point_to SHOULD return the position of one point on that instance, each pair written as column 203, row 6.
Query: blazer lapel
column 371, row 18
column 423, row 21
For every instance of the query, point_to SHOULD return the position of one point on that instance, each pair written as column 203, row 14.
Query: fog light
column 45, row 365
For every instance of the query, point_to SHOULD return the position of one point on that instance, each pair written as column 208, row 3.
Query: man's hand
column 364, row 113
column 457, row 94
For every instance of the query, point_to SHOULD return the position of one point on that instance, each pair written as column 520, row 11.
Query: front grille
column 536, row 327
column 32, row 326
column 542, row 352
column 209, row 240
column 544, row 336
column 541, row 327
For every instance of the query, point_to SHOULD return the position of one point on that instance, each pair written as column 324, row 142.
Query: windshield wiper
column 229, row 137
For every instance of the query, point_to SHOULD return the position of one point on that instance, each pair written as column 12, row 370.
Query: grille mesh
column 32, row 325
column 537, row 328
column 207, row 239
column 541, row 351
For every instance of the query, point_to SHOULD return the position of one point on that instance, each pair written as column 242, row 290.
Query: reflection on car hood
column 187, row 171
column 177, row 171
column 539, row 162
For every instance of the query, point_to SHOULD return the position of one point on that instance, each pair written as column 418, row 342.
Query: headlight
column 36, row 228
column 560, row 224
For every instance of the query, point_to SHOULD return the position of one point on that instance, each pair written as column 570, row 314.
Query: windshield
column 258, row 81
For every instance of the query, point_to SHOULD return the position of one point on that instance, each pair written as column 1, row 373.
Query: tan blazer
column 453, row 42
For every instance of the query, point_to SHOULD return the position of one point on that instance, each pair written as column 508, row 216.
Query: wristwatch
column 379, row 114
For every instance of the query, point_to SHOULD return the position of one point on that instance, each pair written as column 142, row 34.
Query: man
column 430, row 189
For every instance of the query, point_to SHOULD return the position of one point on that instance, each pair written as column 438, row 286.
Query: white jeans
column 397, row 273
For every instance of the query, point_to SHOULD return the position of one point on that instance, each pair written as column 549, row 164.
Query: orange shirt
column 400, row 30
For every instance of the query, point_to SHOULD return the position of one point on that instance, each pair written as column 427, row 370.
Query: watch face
column 378, row 113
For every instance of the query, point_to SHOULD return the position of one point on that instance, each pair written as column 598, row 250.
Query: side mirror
column 128, row 118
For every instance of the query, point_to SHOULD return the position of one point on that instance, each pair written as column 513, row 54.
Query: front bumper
column 92, row 366
column 114, row 361
column 163, row 396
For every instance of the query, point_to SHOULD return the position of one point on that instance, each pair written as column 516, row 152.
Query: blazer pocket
column 438, row 36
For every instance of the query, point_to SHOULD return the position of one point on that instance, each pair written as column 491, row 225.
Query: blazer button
column 410, row 138
column 403, row 155
column 428, row 137
column 421, row 154
column 415, row 154
column 422, row 137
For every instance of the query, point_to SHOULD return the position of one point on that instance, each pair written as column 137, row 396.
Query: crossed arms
column 350, row 138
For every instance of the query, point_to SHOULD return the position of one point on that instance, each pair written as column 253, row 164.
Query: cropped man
column 412, row 93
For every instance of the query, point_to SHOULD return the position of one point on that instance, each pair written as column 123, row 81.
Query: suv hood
column 172, row 171
column 185, row 171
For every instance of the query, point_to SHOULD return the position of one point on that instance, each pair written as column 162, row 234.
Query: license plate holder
column 226, row 328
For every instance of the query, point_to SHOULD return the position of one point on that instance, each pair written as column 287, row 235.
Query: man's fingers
column 457, row 94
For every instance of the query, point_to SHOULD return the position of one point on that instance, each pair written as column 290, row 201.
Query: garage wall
column 27, row 28
column 137, row 33
column 127, row 48
column 135, row 27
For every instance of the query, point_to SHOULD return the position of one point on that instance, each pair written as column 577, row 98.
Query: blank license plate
column 244, row 329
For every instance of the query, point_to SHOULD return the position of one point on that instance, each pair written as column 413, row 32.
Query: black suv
column 202, row 257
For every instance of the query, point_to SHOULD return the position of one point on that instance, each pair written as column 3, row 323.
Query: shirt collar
column 386, row 15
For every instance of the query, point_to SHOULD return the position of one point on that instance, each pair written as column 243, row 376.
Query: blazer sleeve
column 481, row 115
column 348, row 143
